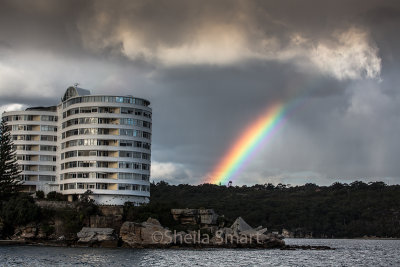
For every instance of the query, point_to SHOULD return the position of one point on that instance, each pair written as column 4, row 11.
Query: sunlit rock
column 104, row 237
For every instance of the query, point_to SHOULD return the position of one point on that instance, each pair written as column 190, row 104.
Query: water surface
column 347, row 253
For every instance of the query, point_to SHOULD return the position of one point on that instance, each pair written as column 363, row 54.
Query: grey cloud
column 200, row 109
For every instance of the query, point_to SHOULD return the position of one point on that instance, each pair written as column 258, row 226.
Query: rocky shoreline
column 110, row 227
column 152, row 235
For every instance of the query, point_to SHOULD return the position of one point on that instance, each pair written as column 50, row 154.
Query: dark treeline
column 340, row 210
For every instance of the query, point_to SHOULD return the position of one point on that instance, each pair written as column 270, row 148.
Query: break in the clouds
column 210, row 67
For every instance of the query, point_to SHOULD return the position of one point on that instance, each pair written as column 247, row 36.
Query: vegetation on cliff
column 157, row 210
column 21, row 210
column 340, row 210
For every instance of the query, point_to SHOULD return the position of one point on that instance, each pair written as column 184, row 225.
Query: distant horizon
column 155, row 181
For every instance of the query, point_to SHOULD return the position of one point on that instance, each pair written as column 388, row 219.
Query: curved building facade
column 34, row 134
column 105, row 147
column 103, row 144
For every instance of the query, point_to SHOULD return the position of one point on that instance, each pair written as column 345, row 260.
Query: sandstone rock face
column 34, row 231
column 130, row 233
column 109, row 221
column 41, row 234
column 240, row 225
column 25, row 232
column 153, row 221
column 149, row 233
column 287, row 233
column 195, row 216
column 104, row 237
column 240, row 234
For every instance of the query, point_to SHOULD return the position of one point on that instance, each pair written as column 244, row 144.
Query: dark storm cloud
column 68, row 25
column 211, row 67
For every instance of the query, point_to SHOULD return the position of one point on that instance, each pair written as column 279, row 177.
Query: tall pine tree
column 9, row 173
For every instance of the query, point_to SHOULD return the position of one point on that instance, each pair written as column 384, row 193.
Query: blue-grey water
column 347, row 253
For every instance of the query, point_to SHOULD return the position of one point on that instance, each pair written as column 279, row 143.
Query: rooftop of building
column 73, row 91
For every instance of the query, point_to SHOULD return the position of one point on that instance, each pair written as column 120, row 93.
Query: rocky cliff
column 102, row 237
column 149, row 233
column 152, row 234
column 203, row 217
column 197, row 228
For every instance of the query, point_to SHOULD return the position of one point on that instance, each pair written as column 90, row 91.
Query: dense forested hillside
column 340, row 210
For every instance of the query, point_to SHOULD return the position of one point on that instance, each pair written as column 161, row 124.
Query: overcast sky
column 210, row 68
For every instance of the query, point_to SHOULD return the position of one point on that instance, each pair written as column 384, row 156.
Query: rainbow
column 260, row 130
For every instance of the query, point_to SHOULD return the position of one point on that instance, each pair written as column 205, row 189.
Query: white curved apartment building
column 34, row 134
column 103, row 145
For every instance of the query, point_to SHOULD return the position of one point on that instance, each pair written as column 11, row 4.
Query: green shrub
column 72, row 221
column 53, row 195
column 159, row 211
column 39, row 194
column 20, row 210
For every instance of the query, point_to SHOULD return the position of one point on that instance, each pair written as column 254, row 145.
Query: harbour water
column 348, row 252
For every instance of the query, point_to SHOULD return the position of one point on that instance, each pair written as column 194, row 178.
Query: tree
column 20, row 210
column 9, row 172
column 86, row 206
